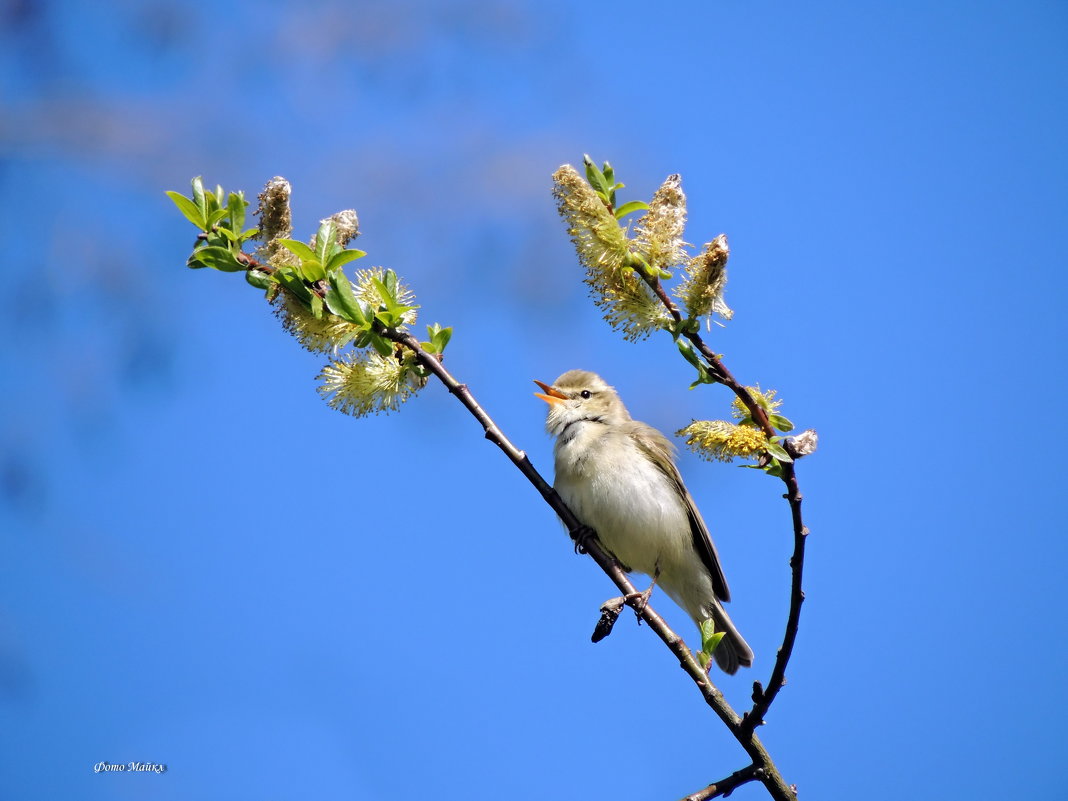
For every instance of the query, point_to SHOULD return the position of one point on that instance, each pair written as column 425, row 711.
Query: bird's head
column 580, row 395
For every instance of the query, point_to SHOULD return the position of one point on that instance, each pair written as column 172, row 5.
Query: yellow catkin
column 722, row 441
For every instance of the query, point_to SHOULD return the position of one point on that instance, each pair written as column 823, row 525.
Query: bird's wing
column 661, row 452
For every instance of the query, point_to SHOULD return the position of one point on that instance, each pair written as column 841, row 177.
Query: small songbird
column 619, row 478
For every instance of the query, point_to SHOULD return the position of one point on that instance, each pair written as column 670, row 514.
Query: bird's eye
column 585, row 393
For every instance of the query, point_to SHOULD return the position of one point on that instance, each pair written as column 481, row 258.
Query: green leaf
column 258, row 279
column 215, row 215
column 596, row 178
column 711, row 644
column 441, row 337
column 343, row 257
column 688, row 353
column 211, row 201
column 325, row 241
column 703, row 377
column 398, row 313
column 779, row 452
column 387, row 297
column 381, row 344
column 235, row 210
column 251, row 232
column 390, row 279
column 298, row 249
column 188, row 208
column 780, row 422
column 710, row 638
column 313, row 270
column 341, row 300
column 316, row 306
column 609, row 174
column 213, row 238
column 199, row 199
column 218, row 258
column 704, row 659
column 630, row 207
column 287, row 277
column 708, row 628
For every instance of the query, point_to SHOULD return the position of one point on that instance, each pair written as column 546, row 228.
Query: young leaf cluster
column 221, row 220
column 603, row 181
column 710, row 639
column 317, row 302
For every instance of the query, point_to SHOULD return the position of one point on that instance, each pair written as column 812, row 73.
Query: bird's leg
column 611, row 608
column 582, row 535
column 642, row 598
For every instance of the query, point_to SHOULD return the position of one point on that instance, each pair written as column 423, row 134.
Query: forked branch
column 762, row 769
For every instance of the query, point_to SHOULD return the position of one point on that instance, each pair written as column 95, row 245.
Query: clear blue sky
column 207, row 567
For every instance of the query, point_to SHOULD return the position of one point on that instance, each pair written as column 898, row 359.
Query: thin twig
column 762, row 697
column 762, row 702
column 725, row 787
column 252, row 264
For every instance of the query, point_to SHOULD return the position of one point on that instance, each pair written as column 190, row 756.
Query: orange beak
column 551, row 395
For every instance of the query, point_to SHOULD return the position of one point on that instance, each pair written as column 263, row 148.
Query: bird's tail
column 733, row 651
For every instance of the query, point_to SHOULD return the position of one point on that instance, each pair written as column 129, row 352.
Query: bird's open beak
column 551, row 395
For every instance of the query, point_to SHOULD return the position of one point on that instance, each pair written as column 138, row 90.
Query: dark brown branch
column 769, row 775
column 725, row 787
column 761, row 699
column 252, row 264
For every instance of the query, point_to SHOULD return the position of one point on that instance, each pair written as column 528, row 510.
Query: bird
column 619, row 477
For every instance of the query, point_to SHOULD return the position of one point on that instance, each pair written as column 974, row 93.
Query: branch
column 768, row 773
column 762, row 697
column 725, row 787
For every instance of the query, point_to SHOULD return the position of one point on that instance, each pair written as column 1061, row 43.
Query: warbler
column 619, row 477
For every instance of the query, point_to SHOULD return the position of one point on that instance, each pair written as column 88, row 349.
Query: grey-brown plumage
column 619, row 477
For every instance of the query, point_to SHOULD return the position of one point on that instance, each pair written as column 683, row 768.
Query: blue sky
column 207, row 567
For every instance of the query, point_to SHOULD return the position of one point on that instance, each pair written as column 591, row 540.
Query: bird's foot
column 639, row 600
column 582, row 535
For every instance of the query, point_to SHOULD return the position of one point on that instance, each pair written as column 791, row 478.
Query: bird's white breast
column 613, row 487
